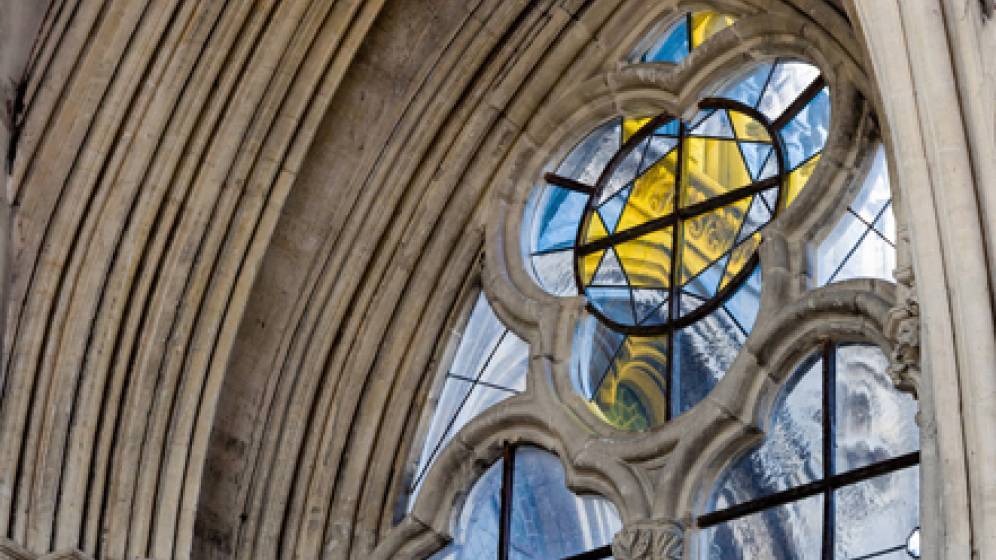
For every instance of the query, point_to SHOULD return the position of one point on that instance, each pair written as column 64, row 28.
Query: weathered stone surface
column 239, row 231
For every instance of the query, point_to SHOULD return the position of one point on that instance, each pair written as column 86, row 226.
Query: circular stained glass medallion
column 656, row 221
column 672, row 224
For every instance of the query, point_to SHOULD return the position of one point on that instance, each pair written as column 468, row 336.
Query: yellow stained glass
column 653, row 194
column 797, row 179
column 711, row 167
column 647, row 259
column 705, row 24
column 740, row 257
column 748, row 128
column 596, row 229
column 631, row 126
column 634, row 395
column 589, row 264
column 708, row 237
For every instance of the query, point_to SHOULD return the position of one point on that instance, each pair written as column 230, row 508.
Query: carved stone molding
column 10, row 550
column 649, row 540
column 903, row 329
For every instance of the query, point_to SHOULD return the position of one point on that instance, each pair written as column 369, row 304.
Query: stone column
column 649, row 540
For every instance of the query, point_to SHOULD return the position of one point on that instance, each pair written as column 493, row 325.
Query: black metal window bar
column 830, row 482
column 505, row 512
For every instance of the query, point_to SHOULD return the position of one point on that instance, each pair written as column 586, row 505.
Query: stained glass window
column 863, row 243
column 657, row 221
column 682, row 36
column 837, row 474
column 488, row 367
column 521, row 509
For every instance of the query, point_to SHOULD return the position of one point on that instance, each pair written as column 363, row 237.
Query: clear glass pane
column 587, row 160
column 836, row 247
column 475, row 530
column 703, row 352
column 873, row 258
column 787, row 81
column 548, row 520
column 789, row 532
column 555, row 272
column 595, row 347
column 490, row 366
column 886, row 223
column 875, row 191
column 479, row 339
column 877, row 515
column 457, row 415
column 747, row 88
column 792, row 451
column 507, row 367
column 874, row 421
column 806, row 134
column 853, row 249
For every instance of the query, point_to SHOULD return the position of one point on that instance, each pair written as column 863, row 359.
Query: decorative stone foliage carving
column 649, row 540
column 903, row 329
column 903, row 324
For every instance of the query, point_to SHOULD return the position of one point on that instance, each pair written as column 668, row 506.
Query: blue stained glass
column 610, row 272
column 755, row 155
column 704, row 285
column 651, row 306
column 806, row 133
column 770, row 168
column 746, row 301
column 614, row 303
column 672, row 48
column 625, row 171
column 595, row 347
column 559, row 213
column 748, row 87
column 612, row 208
column 670, row 128
column 716, row 125
column 659, row 147
column 757, row 217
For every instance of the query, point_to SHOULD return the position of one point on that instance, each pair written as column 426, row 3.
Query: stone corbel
column 649, row 540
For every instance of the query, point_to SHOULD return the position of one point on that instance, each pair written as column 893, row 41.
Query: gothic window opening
column 836, row 475
column 680, row 37
column 863, row 243
column 489, row 366
column 521, row 509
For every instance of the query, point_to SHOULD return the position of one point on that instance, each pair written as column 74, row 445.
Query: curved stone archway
column 240, row 228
